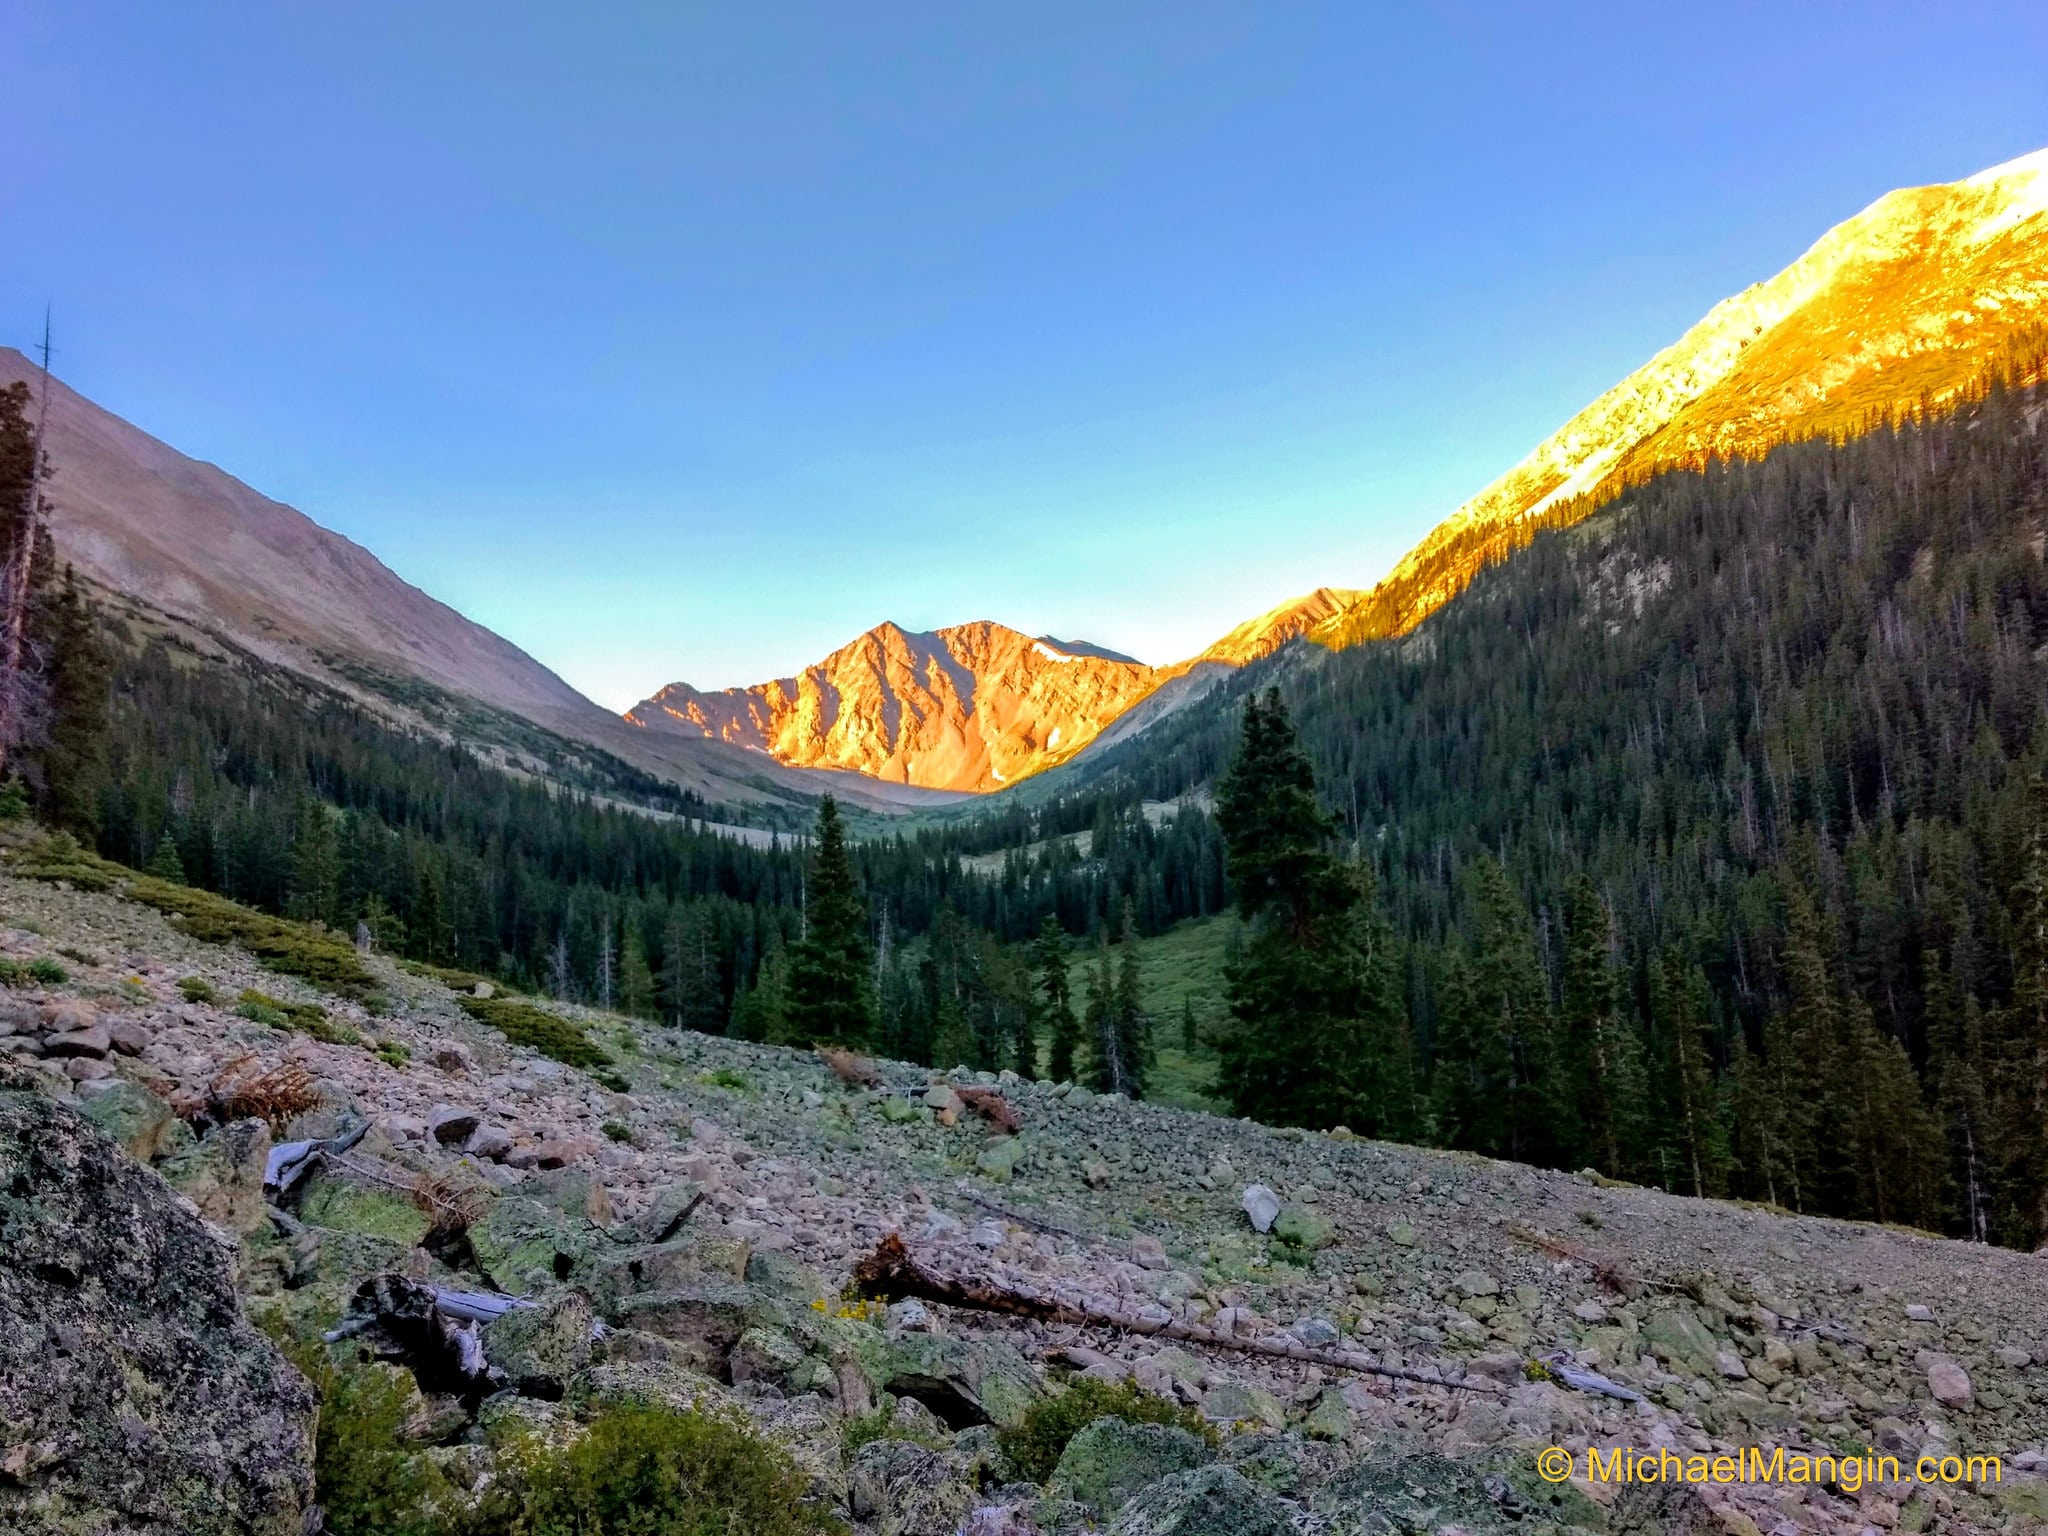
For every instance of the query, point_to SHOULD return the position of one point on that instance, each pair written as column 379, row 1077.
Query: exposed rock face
column 134, row 1398
column 1912, row 297
column 970, row 707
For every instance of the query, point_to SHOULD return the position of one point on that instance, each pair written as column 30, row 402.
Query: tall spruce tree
column 831, row 971
column 1297, row 1050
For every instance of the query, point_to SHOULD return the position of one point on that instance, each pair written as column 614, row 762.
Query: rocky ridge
column 708, row 1200
column 1908, row 302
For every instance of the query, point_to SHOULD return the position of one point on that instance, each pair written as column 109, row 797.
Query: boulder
column 522, row 1245
column 1483, row 1496
column 128, row 1037
column 1231, row 1402
column 223, row 1175
column 1111, row 1459
column 1949, row 1383
column 1210, row 1501
column 134, row 1396
column 346, row 1201
column 1677, row 1337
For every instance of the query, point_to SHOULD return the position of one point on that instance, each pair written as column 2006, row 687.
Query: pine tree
column 1107, row 1070
column 1695, row 1139
column 316, row 867
column 165, row 864
column 761, row 1012
column 1055, row 1000
column 1189, row 1036
column 1512, row 1006
column 831, row 983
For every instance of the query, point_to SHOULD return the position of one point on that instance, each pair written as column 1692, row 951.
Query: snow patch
column 1049, row 653
column 1053, row 740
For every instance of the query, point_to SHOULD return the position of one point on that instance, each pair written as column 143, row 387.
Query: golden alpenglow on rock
column 969, row 707
column 1909, row 301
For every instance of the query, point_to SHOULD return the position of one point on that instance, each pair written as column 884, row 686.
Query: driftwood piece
column 891, row 1273
column 293, row 1160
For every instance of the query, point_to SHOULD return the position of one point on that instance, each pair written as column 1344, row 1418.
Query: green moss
column 455, row 980
column 549, row 1033
column 1035, row 1443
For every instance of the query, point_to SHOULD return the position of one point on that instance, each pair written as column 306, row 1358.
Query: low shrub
column 47, row 972
column 368, row 1481
column 196, row 989
column 549, row 1033
column 298, row 949
column 639, row 1469
column 453, row 978
column 726, row 1077
column 617, row 1130
column 1035, row 1443
column 393, row 1053
column 303, row 1018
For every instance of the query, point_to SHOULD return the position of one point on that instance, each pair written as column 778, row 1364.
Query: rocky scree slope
column 707, row 1200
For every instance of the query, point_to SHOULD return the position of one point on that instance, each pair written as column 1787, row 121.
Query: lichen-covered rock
column 903, row 1489
column 1111, row 1459
column 539, row 1348
column 223, row 1174
column 963, row 1381
column 345, row 1202
column 135, row 1400
column 1209, row 1501
column 1383, row 1496
column 522, row 1245
column 143, row 1124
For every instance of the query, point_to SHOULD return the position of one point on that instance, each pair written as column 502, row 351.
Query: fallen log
column 891, row 1273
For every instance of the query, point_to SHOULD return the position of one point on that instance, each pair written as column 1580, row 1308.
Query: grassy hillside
column 1184, row 967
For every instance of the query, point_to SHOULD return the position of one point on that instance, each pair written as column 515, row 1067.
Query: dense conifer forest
column 1701, row 842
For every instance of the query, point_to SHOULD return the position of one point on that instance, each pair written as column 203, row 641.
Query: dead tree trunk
column 890, row 1273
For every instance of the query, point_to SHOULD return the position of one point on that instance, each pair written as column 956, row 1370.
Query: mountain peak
column 970, row 706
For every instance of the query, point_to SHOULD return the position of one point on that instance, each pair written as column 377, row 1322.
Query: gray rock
column 128, row 1037
column 449, row 1125
column 133, row 1391
column 1316, row 1332
column 1917, row 1313
column 492, row 1143
column 1262, row 1206
column 1210, row 1501
column 902, row 1489
column 2012, row 1357
column 91, row 1041
column 1949, row 1383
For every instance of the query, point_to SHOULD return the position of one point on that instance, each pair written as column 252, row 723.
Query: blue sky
column 684, row 342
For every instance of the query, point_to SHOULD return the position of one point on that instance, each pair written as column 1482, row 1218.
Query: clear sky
column 686, row 341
